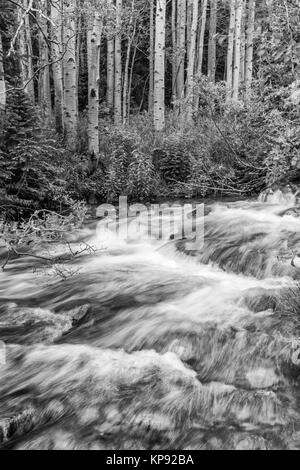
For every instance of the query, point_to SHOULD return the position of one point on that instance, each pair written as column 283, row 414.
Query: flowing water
column 151, row 345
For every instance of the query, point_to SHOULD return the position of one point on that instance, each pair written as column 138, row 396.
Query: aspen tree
column 191, row 58
column 189, row 19
column 174, row 48
column 159, row 66
column 249, row 45
column 181, row 40
column 110, row 66
column 118, row 65
column 243, row 45
column 70, row 74
column 2, row 80
column 94, row 36
column 132, row 27
column 57, row 55
column 201, row 37
column 237, row 49
column 25, row 47
column 212, row 41
column 200, row 48
column 44, row 77
column 229, row 78
column 151, row 59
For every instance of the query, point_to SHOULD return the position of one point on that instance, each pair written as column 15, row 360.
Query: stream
column 151, row 345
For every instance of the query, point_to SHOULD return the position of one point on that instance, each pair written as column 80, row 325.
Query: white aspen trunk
column 2, row 80
column 159, row 67
column 110, row 69
column 237, row 49
column 200, row 49
column 229, row 78
column 249, row 45
column 126, row 71
column 191, row 59
column 70, row 74
column 212, row 41
column 57, row 59
column 25, row 47
column 44, row 78
column 201, row 37
column 151, row 60
column 174, row 50
column 94, row 36
column 130, row 80
column 181, row 28
column 243, row 46
column 189, row 19
column 118, row 66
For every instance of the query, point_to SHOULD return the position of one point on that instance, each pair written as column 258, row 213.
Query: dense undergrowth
column 227, row 149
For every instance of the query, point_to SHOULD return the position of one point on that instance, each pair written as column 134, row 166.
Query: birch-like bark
column 94, row 36
column 249, row 46
column 70, row 74
column 237, row 49
column 151, row 60
column 44, row 76
column 189, row 19
column 26, row 54
column 159, row 66
column 181, row 29
column 57, row 59
column 212, row 41
column 174, row 51
column 110, row 67
column 243, row 46
column 132, row 26
column 201, row 37
column 118, row 65
column 229, row 79
column 192, row 59
column 2, row 80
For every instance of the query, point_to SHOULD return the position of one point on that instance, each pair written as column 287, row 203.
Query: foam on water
column 150, row 345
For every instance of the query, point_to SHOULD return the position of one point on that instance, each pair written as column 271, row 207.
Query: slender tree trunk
column 237, row 49
column 192, row 58
column 132, row 24
column 130, row 80
column 249, row 46
column 44, row 78
column 181, row 36
column 151, row 60
column 201, row 37
column 110, row 69
column 57, row 58
column 200, row 49
column 243, row 46
column 229, row 79
column 70, row 74
column 159, row 67
column 25, row 47
column 2, row 80
column 94, row 36
column 212, row 41
column 174, row 49
column 118, row 65
column 189, row 19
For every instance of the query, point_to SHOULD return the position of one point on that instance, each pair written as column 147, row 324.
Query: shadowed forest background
column 145, row 98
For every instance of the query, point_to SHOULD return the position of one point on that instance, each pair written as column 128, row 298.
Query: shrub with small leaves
column 141, row 177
